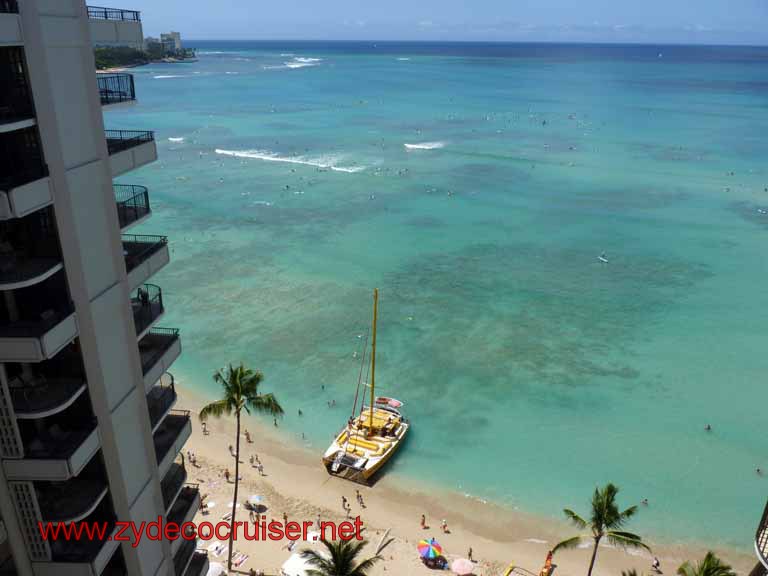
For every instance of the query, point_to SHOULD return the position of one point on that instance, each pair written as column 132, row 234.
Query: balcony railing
column 9, row 6
column 147, row 306
column 115, row 88
column 99, row 13
column 198, row 566
column 120, row 140
column 761, row 538
column 132, row 203
column 16, row 96
column 172, row 483
column 41, row 397
column 21, row 158
column 154, row 344
column 165, row 436
column 159, row 400
column 187, row 498
column 29, row 251
column 137, row 248
column 71, row 500
column 35, row 328
column 54, row 442
column 183, row 556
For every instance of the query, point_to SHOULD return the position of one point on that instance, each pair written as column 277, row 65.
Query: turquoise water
column 531, row 371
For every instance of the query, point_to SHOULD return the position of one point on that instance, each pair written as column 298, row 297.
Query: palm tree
column 241, row 392
column 605, row 522
column 710, row 566
column 341, row 558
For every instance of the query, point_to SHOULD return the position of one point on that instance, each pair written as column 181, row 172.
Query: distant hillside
column 119, row 57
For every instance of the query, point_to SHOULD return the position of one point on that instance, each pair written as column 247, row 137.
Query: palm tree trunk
column 594, row 556
column 234, row 497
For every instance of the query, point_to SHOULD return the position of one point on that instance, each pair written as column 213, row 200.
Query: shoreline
column 295, row 484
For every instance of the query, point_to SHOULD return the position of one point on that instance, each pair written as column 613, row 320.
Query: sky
column 649, row 21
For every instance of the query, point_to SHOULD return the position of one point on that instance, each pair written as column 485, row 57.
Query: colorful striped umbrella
column 430, row 548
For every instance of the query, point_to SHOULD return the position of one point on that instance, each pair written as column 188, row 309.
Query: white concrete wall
column 117, row 33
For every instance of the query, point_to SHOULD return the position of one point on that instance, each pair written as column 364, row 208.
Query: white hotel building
column 87, row 426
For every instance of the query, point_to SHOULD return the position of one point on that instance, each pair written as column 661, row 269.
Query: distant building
column 171, row 41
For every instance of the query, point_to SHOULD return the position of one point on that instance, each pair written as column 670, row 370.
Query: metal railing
column 761, row 538
column 138, row 247
column 36, row 328
column 115, row 88
column 165, row 437
column 184, row 502
column 16, row 96
column 147, row 306
column 9, row 6
column 183, row 557
column 119, row 140
column 100, row 13
column 21, row 158
column 132, row 203
column 198, row 563
column 171, row 484
column 154, row 344
column 159, row 401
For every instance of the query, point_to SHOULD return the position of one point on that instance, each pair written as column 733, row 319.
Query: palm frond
column 216, row 409
column 626, row 540
column 567, row 544
column 575, row 518
column 266, row 403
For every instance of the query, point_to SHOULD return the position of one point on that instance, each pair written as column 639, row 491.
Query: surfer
column 602, row 258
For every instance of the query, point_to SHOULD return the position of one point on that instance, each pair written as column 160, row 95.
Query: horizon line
column 422, row 41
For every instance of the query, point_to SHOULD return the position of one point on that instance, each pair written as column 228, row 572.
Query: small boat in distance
column 369, row 439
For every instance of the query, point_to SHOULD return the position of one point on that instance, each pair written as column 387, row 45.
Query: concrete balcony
column 70, row 501
column 160, row 400
column 199, row 564
column 21, row 156
column 132, row 204
column 184, row 509
column 10, row 23
column 130, row 149
column 761, row 539
column 43, row 397
column 144, row 256
column 28, row 255
column 115, row 27
column 83, row 557
column 183, row 556
column 158, row 349
column 147, row 307
column 19, row 201
column 37, row 339
column 172, row 483
column 55, row 454
column 170, row 438
column 115, row 88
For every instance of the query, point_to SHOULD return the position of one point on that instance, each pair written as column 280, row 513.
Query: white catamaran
column 369, row 439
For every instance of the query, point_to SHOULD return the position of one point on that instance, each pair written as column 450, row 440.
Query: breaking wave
column 425, row 146
column 324, row 163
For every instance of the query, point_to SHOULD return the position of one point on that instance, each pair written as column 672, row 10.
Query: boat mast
column 373, row 358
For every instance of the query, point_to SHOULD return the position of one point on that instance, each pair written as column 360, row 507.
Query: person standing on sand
column 424, row 522
column 469, row 554
column 444, row 526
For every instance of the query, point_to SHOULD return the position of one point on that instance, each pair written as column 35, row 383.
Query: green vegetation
column 240, row 392
column 710, row 566
column 605, row 521
column 340, row 559
column 119, row 56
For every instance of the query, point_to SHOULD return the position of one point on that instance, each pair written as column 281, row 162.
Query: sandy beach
column 295, row 484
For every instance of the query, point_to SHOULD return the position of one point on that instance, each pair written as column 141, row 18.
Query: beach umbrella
column 462, row 566
column 430, row 548
column 255, row 500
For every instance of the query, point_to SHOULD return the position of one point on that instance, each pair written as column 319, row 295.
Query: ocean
column 476, row 185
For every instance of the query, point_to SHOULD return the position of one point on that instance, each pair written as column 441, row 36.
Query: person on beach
column 226, row 474
column 344, row 502
column 205, row 428
column 231, row 450
column 261, row 469
column 469, row 555
column 656, row 565
column 250, row 460
column 275, row 422
column 424, row 522
column 285, row 518
column 248, row 437
column 444, row 526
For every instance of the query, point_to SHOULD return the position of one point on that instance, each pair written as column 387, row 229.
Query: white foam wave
column 327, row 163
column 231, row 72
column 404, row 59
column 261, row 203
column 308, row 60
column 179, row 139
column 287, row 54
column 164, row 76
column 425, row 146
column 294, row 65
column 535, row 541
column 212, row 52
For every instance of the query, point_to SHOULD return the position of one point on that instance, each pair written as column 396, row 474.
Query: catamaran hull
column 349, row 466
